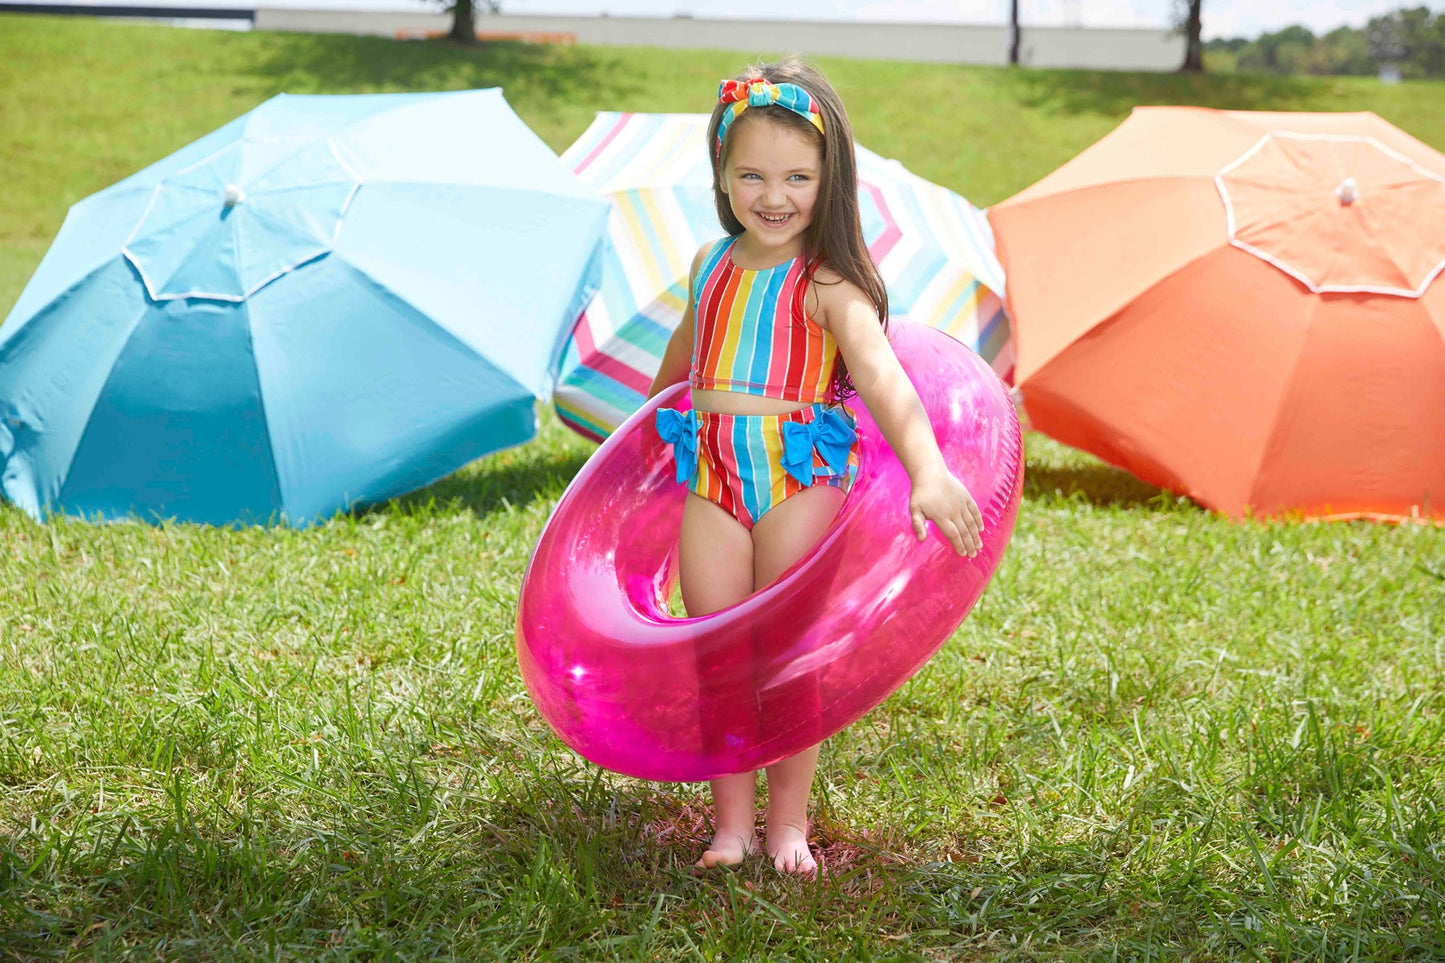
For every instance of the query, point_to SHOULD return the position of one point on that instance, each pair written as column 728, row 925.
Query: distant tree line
column 1410, row 39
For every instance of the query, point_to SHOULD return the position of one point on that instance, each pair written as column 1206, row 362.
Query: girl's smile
column 771, row 178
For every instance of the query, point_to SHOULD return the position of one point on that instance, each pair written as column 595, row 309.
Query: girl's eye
column 799, row 177
column 751, row 176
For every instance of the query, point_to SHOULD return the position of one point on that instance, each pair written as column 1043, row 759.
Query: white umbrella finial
column 1348, row 191
column 233, row 195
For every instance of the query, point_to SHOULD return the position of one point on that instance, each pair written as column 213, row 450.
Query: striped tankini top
column 753, row 334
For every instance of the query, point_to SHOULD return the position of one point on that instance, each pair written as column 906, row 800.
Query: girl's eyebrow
column 796, row 170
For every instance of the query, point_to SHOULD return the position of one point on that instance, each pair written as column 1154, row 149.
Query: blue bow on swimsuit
column 831, row 435
column 680, row 431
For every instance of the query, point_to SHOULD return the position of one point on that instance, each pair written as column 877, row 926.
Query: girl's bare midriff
column 739, row 403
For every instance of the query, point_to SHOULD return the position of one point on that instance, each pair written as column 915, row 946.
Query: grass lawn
column 1160, row 735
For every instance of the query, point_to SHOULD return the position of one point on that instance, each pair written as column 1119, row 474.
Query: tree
column 1411, row 38
column 1282, row 52
column 1013, row 33
column 1347, row 52
column 1191, row 26
column 464, row 18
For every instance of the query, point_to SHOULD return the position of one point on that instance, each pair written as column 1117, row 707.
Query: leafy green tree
column 1278, row 52
column 1412, row 39
column 1434, row 54
column 1231, row 44
column 1345, row 51
column 1386, row 39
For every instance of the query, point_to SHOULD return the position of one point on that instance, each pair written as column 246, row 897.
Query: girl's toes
column 793, row 857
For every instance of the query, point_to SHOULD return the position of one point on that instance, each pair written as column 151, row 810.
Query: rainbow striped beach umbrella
column 934, row 249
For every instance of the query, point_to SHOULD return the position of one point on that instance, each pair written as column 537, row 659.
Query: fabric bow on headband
column 757, row 92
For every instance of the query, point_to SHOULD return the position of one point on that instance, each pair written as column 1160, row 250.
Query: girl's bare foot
column 788, row 848
column 728, row 848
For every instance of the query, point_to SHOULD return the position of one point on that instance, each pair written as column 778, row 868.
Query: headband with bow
column 757, row 92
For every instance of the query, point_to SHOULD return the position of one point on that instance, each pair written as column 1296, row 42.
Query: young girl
column 785, row 320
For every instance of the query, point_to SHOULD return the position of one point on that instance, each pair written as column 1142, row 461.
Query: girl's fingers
column 955, row 536
column 974, row 534
column 964, row 530
column 975, row 530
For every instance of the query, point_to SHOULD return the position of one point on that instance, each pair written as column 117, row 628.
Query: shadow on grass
column 334, row 63
column 1099, row 485
column 1116, row 93
column 514, row 479
column 641, row 833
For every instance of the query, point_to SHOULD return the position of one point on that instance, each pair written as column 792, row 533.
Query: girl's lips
column 774, row 220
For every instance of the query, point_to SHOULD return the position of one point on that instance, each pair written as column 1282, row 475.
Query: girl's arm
column 677, row 359
column 937, row 495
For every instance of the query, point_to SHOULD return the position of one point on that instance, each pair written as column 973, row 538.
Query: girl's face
column 771, row 179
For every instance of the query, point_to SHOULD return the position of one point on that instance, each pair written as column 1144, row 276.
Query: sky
column 1222, row 18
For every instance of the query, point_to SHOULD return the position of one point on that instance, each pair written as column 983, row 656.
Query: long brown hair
column 835, row 236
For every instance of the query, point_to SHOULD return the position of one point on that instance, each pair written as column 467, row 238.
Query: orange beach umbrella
column 1241, row 306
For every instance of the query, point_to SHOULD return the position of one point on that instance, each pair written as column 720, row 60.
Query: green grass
column 1161, row 735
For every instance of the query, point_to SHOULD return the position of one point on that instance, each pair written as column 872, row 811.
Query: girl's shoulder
column 713, row 251
column 833, row 286
column 709, row 253
column 834, row 294
column 824, row 273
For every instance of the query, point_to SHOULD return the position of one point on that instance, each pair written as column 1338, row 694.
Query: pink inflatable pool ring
column 640, row 692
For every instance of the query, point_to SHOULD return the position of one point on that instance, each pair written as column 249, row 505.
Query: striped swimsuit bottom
column 749, row 464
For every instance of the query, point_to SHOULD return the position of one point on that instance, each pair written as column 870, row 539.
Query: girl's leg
column 790, row 784
column 715, row 559
column 780, row 538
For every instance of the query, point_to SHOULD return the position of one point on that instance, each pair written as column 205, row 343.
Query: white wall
column 1100, row 48
column 1107, row 49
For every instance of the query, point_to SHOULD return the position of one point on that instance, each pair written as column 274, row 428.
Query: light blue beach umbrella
column 331, row 300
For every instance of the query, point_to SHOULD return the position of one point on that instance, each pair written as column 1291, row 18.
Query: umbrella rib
column 400, row 101
column 1338, row 288
column 390, row 292
column 125, row 245
column 1111, row 314
column 1284, row 395
column 1011, row 203
column 64, row 477
column 308, row 186
column 107, row 257
column 264, row 412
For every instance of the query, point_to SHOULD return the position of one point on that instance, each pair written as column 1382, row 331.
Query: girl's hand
column 940, row 498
